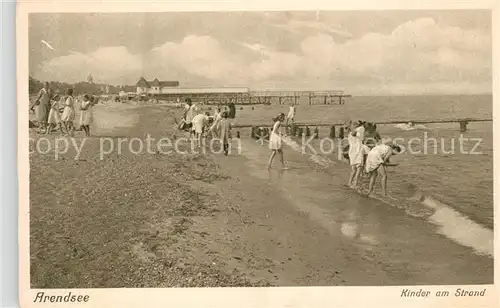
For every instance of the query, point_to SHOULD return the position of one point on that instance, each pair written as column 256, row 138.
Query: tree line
column 78, row 88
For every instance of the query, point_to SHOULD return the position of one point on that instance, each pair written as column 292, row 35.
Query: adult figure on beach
column 376, row 162
column 68, row 116
column 232, row 110
column 43, row 100
column 275, row 141
column 224, row 132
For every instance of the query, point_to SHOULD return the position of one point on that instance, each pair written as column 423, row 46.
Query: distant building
column 170, row 90
column 155, row 86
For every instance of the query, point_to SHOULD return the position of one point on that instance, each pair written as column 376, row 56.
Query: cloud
column 107, row 64
column 419, row 54
column 416, row 52
column 201, row 56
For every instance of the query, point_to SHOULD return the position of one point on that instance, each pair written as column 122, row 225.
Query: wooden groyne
column 462, row 122
column 293, row 97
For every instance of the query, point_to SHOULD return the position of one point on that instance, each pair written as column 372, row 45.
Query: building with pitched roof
column 170, row 90
column 154, row 87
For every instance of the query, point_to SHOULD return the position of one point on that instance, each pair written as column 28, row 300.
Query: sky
column 360, row 52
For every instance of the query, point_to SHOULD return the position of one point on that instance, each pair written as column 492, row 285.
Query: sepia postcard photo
column 218, row 153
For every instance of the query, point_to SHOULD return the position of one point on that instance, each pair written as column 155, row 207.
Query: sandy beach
column 155, row 220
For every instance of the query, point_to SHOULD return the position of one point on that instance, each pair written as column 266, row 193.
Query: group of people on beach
column 368, row 153
column 201, row 124
column 54, row 110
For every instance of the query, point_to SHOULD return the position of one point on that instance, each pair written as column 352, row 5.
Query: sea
column 454, row 168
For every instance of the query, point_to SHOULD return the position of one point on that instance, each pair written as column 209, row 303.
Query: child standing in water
column 275, row 140
column 376, row 162
column 224, row 129
column 357, row 151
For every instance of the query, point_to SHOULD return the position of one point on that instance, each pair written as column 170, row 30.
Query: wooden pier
column 240, row 97
column 293, row 97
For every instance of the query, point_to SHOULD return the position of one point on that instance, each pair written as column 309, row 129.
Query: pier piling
column 332, row 132
column 341, row 132
column 308, row 132
column 463, row 126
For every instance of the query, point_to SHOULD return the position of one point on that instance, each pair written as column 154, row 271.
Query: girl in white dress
column 357, row 151
column 86, row 113
column 68, row 116
column 275, row 140
column 54, row 116
column 188, row 116
column 376, row 162
column 199, row 121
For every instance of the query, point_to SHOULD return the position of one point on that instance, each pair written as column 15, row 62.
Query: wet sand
column 380, row 245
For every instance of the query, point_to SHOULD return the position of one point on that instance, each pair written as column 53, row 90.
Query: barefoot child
column 199, row 122
column 68, row 116
column 357, row 151
column 376, row 162
column 54, row 116
column 188, row 116
column 275, row 140
column 224, row 129
column 86, row 113
column 215, row 128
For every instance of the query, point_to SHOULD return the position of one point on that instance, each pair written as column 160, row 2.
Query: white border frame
column 233, row 297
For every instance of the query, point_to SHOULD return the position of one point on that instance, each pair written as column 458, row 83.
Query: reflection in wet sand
column 309, row 195
column 459, row 228
column 313, row 193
